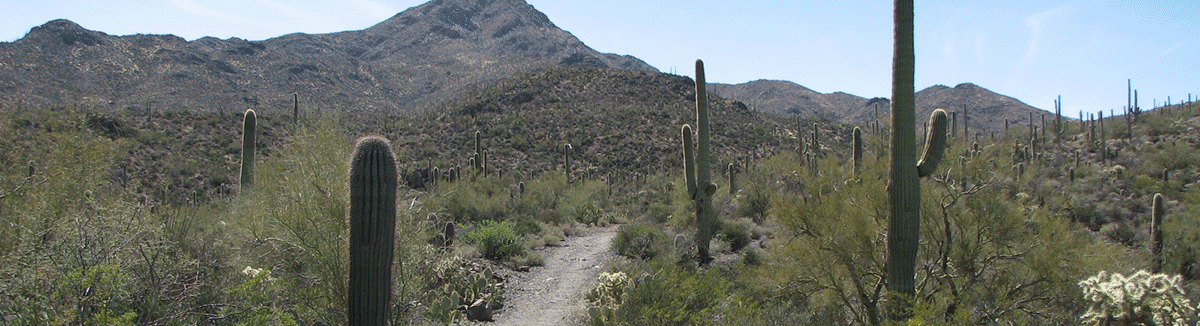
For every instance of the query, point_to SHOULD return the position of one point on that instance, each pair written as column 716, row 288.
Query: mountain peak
column 410, row 62
column 459, row 19
column 65, row 32
column 967, row 86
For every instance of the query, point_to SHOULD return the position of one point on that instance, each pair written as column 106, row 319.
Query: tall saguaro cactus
column 857, row 144
column 249, row 126
column 904, row 187
column 372, row 231
column 1156, row 235
column 697, row 170
column 567, row 161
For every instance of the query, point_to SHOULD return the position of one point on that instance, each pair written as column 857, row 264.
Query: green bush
column 499, row 240
column 524, row 227
column 671, row 295
column 640, row 241
column 754, row 203
column 737, row 234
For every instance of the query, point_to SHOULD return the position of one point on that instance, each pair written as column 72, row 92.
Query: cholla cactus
column 1142, row 298
column 606, row 297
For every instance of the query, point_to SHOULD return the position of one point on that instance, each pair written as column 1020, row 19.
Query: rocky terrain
column 410, row 62
column 986, row 109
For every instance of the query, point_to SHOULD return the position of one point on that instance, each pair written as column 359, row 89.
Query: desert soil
column 554, row 294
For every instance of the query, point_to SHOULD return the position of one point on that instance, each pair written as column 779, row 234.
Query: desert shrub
column 1119, row 232
column 737, row 234
column 1172, row 156
column 543, row 198
column 1158, row 124
column 835, row 250
column 640, row 241
column 754, row 202
column 472, row 201
column 292, row 221
column 1181, row 238
column 498, row 239
column 524, row 226
column 670, row 295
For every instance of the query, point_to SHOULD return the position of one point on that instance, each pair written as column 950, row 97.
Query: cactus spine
column 372, row 231
column 249, row 125
column 698, row 172
column 904, row 187
column 858, row 149
column 1156, row 220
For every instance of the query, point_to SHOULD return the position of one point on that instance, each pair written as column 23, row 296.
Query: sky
column 1082, row 50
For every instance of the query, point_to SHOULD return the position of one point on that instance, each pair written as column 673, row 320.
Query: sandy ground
column 554, row 294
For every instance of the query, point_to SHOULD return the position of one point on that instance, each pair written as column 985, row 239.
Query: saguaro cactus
column 697, row 170
column 249, row 126
column 1058, row 124
column 567, row 161
column 372, row 231
column 732, row 178
column 295, row 108
column 857, row 144
column 904, row 187
column 1156, row 235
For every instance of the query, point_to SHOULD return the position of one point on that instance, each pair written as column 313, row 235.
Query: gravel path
column 554, row 294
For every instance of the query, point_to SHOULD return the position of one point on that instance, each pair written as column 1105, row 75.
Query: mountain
column 410, row 62
column 986, row 110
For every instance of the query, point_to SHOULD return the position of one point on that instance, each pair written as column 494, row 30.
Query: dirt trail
column 554, row 294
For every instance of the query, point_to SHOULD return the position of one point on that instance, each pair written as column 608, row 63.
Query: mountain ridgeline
column 418, row 60
column 986, row 110
column 410, row 62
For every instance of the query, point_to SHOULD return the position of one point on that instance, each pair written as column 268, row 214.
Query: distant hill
column 986, row 109
column 410, row 62
column 618, row 121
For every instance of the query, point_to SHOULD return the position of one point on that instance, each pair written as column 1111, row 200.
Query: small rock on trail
column 554, row 294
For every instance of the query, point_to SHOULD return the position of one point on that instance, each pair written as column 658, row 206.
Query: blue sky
column 1034, row 51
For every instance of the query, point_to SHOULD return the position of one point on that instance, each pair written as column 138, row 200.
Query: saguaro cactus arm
column 372, row 231
column 689, row 161
column 935, row 144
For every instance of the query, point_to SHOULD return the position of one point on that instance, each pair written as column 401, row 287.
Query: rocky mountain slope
column 418, row 60
column 987, row 110
column 409, row 62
